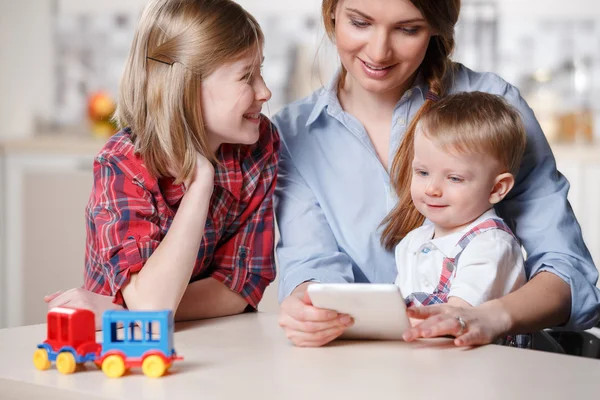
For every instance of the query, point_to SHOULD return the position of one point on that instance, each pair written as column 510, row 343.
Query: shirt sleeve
column 538, row 211
column 307, row 249
column 491, row 266
column 122, row 229
column 245, row 263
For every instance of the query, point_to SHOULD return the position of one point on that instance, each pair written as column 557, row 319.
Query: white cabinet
column 581, row 166
column 44, row 195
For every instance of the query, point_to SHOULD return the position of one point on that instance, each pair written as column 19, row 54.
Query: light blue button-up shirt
column 333, row 193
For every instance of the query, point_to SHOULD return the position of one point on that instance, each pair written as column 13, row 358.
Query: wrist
column 500, row 312
column 201, row 186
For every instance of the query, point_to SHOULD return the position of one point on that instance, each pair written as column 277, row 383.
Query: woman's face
column 381, row 43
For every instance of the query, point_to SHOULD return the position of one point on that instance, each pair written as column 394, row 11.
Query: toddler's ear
column 502, row 185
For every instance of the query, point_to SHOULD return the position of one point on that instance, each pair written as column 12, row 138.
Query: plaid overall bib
column 440, row 294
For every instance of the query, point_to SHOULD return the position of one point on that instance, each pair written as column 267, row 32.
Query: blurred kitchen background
column 60, row 64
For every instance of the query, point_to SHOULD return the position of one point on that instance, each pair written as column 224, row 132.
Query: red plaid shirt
column 130, row 212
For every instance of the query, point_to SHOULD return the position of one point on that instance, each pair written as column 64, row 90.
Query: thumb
column 306, row 299
column 48, row 298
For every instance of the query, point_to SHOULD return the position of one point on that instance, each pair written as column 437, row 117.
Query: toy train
column 146, row 340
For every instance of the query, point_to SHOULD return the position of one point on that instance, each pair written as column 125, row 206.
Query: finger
column 473, row 338
column 303, row 339
column 60, row 300
column 66, row 304
column 424, row 312
column 314, row 326
column 446, row 326
column 300, row 311
column 49, row 297
column 425, row 326
column 306, row 298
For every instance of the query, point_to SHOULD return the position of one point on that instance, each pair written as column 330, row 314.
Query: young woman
column 336, row 185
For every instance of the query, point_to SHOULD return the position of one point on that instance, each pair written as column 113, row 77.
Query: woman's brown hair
column 441, row 15
column 177, row 44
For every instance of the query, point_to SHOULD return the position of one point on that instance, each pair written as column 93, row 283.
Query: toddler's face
column 448, row 188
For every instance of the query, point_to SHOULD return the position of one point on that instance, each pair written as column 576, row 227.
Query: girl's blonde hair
column 176, row 45
column 477, row 122
column 436, row 68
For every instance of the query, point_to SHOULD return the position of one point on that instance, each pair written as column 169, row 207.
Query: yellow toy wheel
column 65, row 363
column 40, row 359
column 113, row 366
column 154, row 366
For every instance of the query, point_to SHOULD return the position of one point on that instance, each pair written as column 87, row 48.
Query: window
column 116, row 335
column 153, row 330
column 135, row 333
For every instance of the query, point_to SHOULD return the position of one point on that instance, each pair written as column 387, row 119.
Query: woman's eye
column 410, row 31
column 359, row 24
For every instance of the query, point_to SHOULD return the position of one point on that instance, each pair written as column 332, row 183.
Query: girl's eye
column 456, row 179
column 359, row 24
column 422, row 173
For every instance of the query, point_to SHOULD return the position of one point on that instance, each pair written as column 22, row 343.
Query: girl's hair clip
column 160, row 61
column 432, row 96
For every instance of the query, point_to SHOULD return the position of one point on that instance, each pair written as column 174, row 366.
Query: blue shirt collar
column 328, row 97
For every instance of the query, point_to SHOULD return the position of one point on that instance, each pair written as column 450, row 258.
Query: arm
column 244, row 263
column 496, row 318
column 166, row 274
column 127, row 239
column 307, row 249
column 307, row 252
column 540, row 215
column 491, row 266
column 209, row 298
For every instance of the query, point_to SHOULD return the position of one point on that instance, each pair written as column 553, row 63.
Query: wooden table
column 248, row 357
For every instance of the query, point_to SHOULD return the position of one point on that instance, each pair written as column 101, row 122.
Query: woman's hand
column 482, row 324
column 309, row 326
column 81, row 298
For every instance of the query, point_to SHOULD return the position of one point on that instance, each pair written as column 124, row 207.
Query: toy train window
column 153, row 331
column 116, row 335
column 136, row 331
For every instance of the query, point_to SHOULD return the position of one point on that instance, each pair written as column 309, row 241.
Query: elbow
column 137, row 299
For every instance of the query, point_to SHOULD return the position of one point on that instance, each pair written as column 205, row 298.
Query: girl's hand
column 482, row 325
column 308, row 326
column 81, row 298
column 204, row 173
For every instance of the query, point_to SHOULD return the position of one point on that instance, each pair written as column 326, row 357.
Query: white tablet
column 378, row 310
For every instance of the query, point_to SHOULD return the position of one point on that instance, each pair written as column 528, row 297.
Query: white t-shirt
column 490, row 267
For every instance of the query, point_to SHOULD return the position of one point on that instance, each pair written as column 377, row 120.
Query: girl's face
column 232, row 99
column 381, row 43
